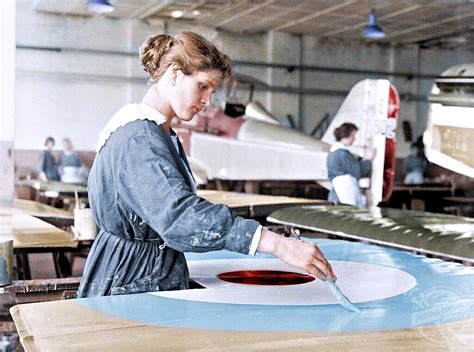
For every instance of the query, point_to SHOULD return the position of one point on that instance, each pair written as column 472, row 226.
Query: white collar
column 338, row 145
column 126, row 114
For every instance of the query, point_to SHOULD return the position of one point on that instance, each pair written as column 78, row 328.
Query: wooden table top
column 30, row 232
column 41, row 210
column 53, row 186
column 420, row 319
column 252, row 205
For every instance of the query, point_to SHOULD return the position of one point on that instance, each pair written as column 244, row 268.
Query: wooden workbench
column 57, row 217
column 40, row 210
column 167, row 322
column 33, row 235
column 254, row 205
column 74, row 327
column 27, row 231
column 425, row 197
column 53, row 186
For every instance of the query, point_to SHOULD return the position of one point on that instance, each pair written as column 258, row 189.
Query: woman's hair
column 188, row 51
column 49, row 139
column 344, row 130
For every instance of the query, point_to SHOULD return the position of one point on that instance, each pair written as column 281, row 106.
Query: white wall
column 73, row 92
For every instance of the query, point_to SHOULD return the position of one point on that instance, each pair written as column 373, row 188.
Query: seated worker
column 47, row 167
column 70, row 164
column 345, row 170
column 414, row 165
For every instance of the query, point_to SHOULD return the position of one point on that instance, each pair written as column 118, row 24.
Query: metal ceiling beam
column 243, row 13
column 362, row 24
column 148, row 10
column 408, row 75
column 142, row 80
column 193, row 7
column 283, row 12
column 229, row 7
column 435, row 35
column 428, row 25
column 313, row 15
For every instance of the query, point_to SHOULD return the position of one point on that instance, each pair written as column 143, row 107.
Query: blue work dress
column 142, row 197
column 342, row 162
column 48, row 165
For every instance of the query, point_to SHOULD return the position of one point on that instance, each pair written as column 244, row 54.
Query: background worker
column 345, row 170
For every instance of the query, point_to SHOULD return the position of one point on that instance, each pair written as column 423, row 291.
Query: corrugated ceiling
column 441, row 23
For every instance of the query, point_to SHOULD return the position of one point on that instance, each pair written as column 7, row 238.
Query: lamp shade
column 372, row 31
column 99, row 6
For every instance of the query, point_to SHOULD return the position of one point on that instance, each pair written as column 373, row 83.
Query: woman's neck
column 157, row 100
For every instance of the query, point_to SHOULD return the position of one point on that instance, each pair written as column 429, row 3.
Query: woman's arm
column 149, row 181
column 303, row 255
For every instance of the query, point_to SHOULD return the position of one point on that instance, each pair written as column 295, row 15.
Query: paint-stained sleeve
column 150, row 181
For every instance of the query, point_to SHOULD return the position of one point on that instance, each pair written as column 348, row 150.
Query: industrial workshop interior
column 241, row 175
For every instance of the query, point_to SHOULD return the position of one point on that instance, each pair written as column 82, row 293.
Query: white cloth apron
column 348, row 190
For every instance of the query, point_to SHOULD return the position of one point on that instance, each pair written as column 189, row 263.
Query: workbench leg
column 62, row 265
column 23, row 266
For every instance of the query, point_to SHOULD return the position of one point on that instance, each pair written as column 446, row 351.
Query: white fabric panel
column 378, row 282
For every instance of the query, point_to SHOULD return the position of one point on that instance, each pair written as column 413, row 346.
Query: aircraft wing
column 441, row 235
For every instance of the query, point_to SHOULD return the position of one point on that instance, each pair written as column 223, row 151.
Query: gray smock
column 342, row 162
column 47, row 164
column 142, row 197
column 72, row 160
column 414, row 163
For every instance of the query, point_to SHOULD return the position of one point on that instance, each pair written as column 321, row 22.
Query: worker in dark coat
column 47, row 165
column 142, row 192
column 345, row 170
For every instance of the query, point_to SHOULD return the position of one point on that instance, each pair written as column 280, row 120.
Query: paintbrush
column 336, row 291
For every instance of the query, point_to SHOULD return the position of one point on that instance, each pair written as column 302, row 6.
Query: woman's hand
column 42, row 177
column 303, row 255
column 371, row 154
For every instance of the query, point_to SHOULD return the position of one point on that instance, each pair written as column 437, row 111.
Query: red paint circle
column 265, row 277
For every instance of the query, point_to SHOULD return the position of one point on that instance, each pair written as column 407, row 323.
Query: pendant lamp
column 372, row 31
column 99, row 6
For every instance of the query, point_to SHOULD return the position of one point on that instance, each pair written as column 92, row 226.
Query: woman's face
column 349, row 140
column 193, row 92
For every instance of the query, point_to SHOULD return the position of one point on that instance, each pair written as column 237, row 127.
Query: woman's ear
column 175, row 73
column 175, row 70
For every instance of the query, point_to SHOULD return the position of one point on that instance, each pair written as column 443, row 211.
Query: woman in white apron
column 345, row 170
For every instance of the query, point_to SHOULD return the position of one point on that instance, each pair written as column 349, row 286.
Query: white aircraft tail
column 255, row 110
column 372, row 105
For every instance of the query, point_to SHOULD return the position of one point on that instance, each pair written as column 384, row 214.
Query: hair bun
column 152, row 50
